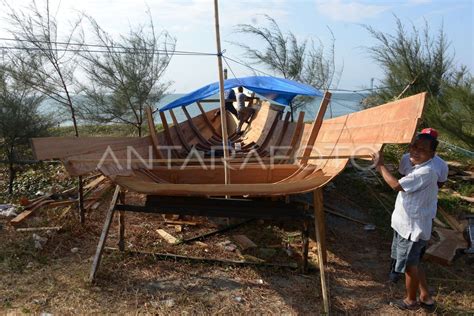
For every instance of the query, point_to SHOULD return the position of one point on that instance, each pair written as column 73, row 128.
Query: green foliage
column 423, row 61
column 126, row 76
column 20, row 120
column 303, row 61
column 43, row 62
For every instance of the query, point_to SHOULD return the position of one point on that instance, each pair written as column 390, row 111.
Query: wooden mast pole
column 221, row 94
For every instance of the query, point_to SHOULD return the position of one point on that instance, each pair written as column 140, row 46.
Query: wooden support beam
column 166, row 131
column 320, row 220
column 316, row 126
column 320, row 233
column 152, row 129
column 179, row 132
column 296, row 136
column 103, row 236
column 207, row 121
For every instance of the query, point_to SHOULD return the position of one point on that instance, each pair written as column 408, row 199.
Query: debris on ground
column 8, row 210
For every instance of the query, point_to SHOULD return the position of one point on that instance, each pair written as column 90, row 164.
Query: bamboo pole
column 221, row 93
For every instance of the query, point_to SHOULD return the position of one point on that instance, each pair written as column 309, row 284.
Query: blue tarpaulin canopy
column 277, row 89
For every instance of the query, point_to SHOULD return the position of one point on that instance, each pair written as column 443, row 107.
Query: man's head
column 423, row 147
column 240, row 89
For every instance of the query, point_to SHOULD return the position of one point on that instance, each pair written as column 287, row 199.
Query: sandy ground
column 54, row 279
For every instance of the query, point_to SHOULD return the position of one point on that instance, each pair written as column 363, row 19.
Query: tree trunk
column 11, row 177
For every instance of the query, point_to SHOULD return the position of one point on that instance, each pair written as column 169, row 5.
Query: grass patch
column 454, row 205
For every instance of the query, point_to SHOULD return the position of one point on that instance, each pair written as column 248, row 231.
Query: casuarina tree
column 282, row 53
column 415, row 60
column 125, row 75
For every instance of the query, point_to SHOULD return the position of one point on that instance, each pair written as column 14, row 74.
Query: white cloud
column 351, row 11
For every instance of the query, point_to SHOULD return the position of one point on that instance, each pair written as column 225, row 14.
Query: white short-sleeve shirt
column 440, row 166
column 240, row 101
column 415, row 207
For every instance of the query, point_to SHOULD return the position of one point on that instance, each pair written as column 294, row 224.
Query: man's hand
column 377, row 159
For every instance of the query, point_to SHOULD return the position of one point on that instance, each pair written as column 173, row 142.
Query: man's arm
column 386, row 175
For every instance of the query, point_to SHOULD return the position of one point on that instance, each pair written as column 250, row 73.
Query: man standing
column 412, row 218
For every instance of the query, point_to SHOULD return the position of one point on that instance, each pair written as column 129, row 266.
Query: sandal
column 428, row 307
column 401, row 304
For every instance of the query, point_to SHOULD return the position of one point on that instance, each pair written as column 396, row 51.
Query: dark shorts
column 406, row 252
column 230, row 107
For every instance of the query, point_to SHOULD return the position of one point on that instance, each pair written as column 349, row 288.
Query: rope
column 94, row 45
column 458, row 149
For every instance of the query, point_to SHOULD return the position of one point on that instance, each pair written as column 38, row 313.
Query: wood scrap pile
column 66, row 200
column 200, row 240
column 450, row 232
column 450, row 241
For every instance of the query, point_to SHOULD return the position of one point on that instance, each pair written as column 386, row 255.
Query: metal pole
column 221, row 94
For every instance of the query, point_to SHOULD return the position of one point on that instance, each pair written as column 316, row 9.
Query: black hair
column 433, row 141
column 240, row 89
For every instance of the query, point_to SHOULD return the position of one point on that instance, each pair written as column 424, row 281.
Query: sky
column 191, row 22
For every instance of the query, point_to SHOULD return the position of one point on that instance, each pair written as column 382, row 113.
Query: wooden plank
column 152, row 129
column 170, row 239
column 452, row 222
column 445, row 249
column 63, row 203
column 36, row 229
column 103, row 236
column 315, row 127
column 94, row 183
column 269, row 134
column 177, row 222
column 283, row 129
column 243, row 242
column 26, row 214
column 45, row 148
column 97, row 196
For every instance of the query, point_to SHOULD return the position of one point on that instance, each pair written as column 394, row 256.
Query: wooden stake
column 103, row 236
column 305, row 237
column 320, row 220
column 221, row 94
column 319, row 229
column 80, row 197
column 121, row 220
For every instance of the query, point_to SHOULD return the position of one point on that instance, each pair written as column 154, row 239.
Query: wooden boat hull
column 278, row 157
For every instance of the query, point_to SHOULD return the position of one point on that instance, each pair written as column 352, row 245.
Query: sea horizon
column 342, row 103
